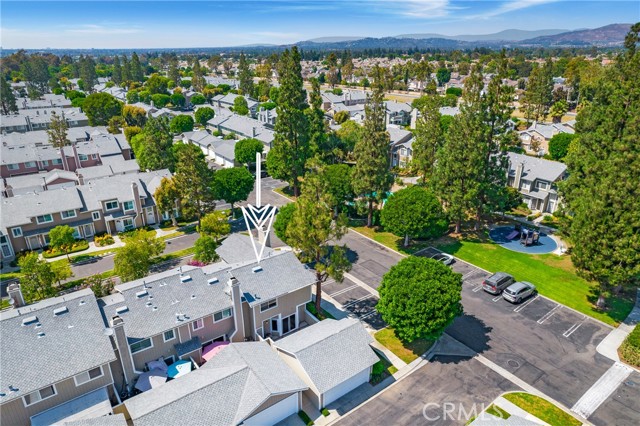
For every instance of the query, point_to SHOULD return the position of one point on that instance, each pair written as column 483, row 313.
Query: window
column 44, row 218
column 56, row 161
column 68, row 214
column 83, row 157
column 95, row 216
column 87, row 376
column 197, row 324
column 169, row 335
column 526, row 184
column 76, row 232
column 542, row 185
column 128, row 205
column 30, row 164
column 141, row 346
column 17, row 232
column 268, row 305
column 45, row 162
column 219, row 316
column 288, row 324
column 39, row 395
column 128, row 224
column 94, row 156
column 111, row 205
column 13, row 166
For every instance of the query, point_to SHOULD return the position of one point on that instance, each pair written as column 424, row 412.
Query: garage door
column 275, row 413
column 345, row 387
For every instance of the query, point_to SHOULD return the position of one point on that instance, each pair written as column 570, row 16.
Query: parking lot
column 356, row 299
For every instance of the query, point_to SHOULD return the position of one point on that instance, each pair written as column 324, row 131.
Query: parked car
column 519, row 291
column 445, row 258
column 497, row 282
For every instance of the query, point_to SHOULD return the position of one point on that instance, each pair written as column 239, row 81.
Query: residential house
column 312, row 354
column 48, row 100
column 217, row 81
column 415, row 114
column 113, row 204
column 246, row 383
column 227, row 101
column 536, row 138
column 267, row 117
column 27, row 120
column 220, row 150
column 397, row 113
column 333, row 102
column 400, row 143
column 242, row 126
column 536, row 179
column 116, row 91
column 56, row 361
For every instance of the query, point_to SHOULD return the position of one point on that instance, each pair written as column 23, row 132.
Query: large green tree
column 7, row 98
column 100, row 107
column 37, row 277
column 245, row 150
column 371, row 176
column 135, row 68
column 429, row 137
column 312, row 230
column 166, row 197
column 414, row 212
column 538, row 96
column 559, row 145
column 154, row 146
column 602, row 192
column 204, row 114
column 233, row 185
column 315, row 118
column 194, row 181
column 290, row 151
column 57, row 132
column 282, row 220
column 133, row 261
column 214, row 225
column 116, row 74
column 36, row 75
column 419, row 298
column 181, row 123
column 245, row 76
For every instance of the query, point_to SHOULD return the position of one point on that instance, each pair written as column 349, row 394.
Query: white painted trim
column 150, row 339
column 55, row 392
column 75, row 378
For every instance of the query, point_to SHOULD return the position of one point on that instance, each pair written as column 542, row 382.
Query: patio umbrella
column 212, row 350
column 150, row 380
column 179, row 368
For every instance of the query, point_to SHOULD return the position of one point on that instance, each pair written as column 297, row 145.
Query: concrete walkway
column 514, row 410
column 93, row 248
column 610, row 344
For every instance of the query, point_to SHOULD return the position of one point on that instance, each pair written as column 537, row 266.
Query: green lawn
column 311, row 307
column 542, row 409
column 285, row 192
column 405, row 351
column 494, row 410
column 9, row 276
column 554, row 276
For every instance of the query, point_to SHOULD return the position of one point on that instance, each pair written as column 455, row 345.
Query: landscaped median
column 629, row 351
column 554, row 276
column 542, row 409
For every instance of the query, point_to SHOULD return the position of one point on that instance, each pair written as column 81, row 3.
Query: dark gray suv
column 497, row 282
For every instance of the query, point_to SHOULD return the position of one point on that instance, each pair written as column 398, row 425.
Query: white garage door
column 275, row 413
column 345, row 387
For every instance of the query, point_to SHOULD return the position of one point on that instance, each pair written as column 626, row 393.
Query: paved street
column 455, row 384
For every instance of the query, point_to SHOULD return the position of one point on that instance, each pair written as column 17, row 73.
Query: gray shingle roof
column 225, row 391
column 536, row 168
column 114, row 420
column 278, row 275
column 237, row 248
column 147, row 316
column 20, row 209
column 73, row 342
column 319, row 346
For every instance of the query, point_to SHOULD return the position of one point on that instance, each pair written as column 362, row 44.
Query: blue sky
column 157, row 23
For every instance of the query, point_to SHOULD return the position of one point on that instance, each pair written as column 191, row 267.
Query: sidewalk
column 610, row 344
column 93, row 248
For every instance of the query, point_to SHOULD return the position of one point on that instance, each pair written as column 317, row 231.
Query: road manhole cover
column 513, row 363
column 630, row 383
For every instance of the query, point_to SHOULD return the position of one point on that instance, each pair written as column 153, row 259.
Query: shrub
column 103, row 240
column 197, row 263
column 230, row 136
column 79, row 245
column 325, row 412
column 630, row 349
column 305, row 418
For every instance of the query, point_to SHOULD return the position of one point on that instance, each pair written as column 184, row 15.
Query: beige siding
column 287, row 305
column 270, row 402
column 15, row 413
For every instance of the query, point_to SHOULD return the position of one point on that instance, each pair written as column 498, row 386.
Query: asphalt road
column 443, row 392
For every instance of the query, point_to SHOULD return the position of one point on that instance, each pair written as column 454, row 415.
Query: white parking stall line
column 477, row 289
column 574, row 327
column 465, row 276
column 498, row 297
column 524, row 305
column 549, row 314
column 356, row 301
column 368, row 314
column 344, row 290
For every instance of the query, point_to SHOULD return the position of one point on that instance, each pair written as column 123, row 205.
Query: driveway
column 445, row 391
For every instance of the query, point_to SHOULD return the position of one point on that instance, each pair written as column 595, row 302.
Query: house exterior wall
column 15, row 413
column 345, row 387
column 287, row 305
column 275, row 409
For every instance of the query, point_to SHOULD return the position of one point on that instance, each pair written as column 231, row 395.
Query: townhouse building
column 56, row 361
column 536, row 179
column 220, row 150
column 241, row 126
column 27, row 120
column 536, row 138
column 227, row 101
column 113, row 204
column 48, row 100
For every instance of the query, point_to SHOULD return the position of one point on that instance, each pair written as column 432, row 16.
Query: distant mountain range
column 610, row 35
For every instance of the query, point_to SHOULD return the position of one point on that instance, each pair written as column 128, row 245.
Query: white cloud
column 510, row 6
column 422, row 8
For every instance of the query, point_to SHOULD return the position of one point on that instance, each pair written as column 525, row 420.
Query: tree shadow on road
column 466, row 337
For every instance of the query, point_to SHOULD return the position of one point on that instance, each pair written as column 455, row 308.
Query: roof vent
column 142, row 293
column 193, row 296
column 41, row 335
column 82, row 302
column 155, row 308
column 185, row 278
column 149, row 304
column 213, row 280
column 13, row 388
column 61, row 310
column 150, row 297
column 122, row 309
column 256, row 269
column 29, row 320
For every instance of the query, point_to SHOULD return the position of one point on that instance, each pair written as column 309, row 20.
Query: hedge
column 79, row 245
column 629, row 351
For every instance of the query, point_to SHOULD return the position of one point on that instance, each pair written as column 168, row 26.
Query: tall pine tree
column 429, row 137
column 116, row 74
column 135, row 68
column 602, row 192
column 7, row 98
column 371, row 176
column 290, row 151
column 245, row 76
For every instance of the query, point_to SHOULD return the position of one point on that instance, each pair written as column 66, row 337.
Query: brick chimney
column 253, row 132
column 519, row 169
column 238, row 317
column 124, row 353
column 15, row 294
